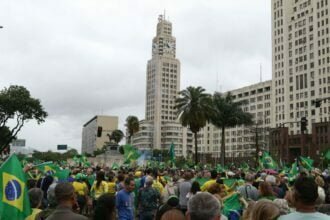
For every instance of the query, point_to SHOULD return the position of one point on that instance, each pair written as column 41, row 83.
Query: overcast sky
column 87, row 57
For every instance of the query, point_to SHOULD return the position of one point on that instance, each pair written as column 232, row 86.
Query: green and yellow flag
column 15, row 202
column 115, row 166
column 231, row 204
column 327, row 155
column 294, row 171
column 47, row 167
column 62, row 174
column 267, row 162
column 229, row 182
column 130, row 153
column 306, row 162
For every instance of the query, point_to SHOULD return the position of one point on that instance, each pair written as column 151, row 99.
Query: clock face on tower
column 169, row 47
column 154, row 47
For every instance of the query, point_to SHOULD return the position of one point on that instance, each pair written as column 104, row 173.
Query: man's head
column 35, row 196
column 149, row 181
column 203, row 206
column 89, row 171
column 214, row 174
column 249, row 177
column 305, row 191
column 64, row 194
column 51, row 195
column 270, row 179
column 129, row 184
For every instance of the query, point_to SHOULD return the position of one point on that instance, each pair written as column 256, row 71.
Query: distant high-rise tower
column 163, row 75
column 301, row 62
column 161, row 127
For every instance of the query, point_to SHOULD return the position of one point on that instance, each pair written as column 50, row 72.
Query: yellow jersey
column 207, row 184
column 103, row 188
column 80, row 188
column 158, row 186
column 33, row 215
column 112, row 188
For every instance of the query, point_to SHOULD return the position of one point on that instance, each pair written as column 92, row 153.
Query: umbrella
column 270, row 172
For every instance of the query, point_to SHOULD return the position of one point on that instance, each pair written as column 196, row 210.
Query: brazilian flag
column 47, row 167
column 231, row 203
column 15, row 202
column 115, row 166
column 130, row 153
column 267, row 162
column 306, row 162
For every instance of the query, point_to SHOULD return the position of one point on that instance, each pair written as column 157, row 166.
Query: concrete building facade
column 300, row 62
column 101, row 124
column 300, row 76
column 161, row 126
column 241, row 140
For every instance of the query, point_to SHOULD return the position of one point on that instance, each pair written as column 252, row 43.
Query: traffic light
column 99, row 131
column 303, row 124
column 318, row 103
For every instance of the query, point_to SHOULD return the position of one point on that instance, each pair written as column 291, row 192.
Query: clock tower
column 161, row 127
column 164, row 43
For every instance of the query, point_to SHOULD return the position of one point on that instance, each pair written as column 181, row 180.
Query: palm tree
column 194, row 108
column 132, row 124
column 227, row 113
column 117, row 135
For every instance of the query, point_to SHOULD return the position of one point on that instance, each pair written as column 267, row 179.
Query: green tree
column 4, row 133
column 70, row 154
column 161, row 154
column 54, row 156
column 47, row 156
column 133, row 126
column 99, row 151
column 194, row 108
column 121, row 150
column 116, row 136
column 17, row 107
column 227, row 113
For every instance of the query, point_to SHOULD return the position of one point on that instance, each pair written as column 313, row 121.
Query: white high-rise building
column 240, row 141
column 161, row 127
column 301, row 62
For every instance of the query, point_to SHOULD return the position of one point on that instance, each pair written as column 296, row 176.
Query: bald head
column 203, row 206
column 64, row 192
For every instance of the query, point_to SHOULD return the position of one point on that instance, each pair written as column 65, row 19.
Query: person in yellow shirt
column 100, row 187
column 111, row 185
column 157, row 184
column 81, row 190
column 208, row 183
column 35, row 195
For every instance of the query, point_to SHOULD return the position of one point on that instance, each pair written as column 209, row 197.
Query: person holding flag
column 15, row 202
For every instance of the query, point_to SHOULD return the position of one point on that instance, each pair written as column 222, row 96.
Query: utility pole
column 256, row 130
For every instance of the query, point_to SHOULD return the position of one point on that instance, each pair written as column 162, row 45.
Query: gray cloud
column 83, row 58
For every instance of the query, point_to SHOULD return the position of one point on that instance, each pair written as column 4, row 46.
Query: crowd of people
column 101, row 193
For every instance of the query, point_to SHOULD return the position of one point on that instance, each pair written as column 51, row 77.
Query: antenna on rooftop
column 217, row 83
column 260, row 72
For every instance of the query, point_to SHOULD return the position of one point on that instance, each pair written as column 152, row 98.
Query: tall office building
column 161, row 127
column 301, row 62
column 95, row 132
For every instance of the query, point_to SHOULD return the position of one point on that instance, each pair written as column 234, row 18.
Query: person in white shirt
column 305, row 195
